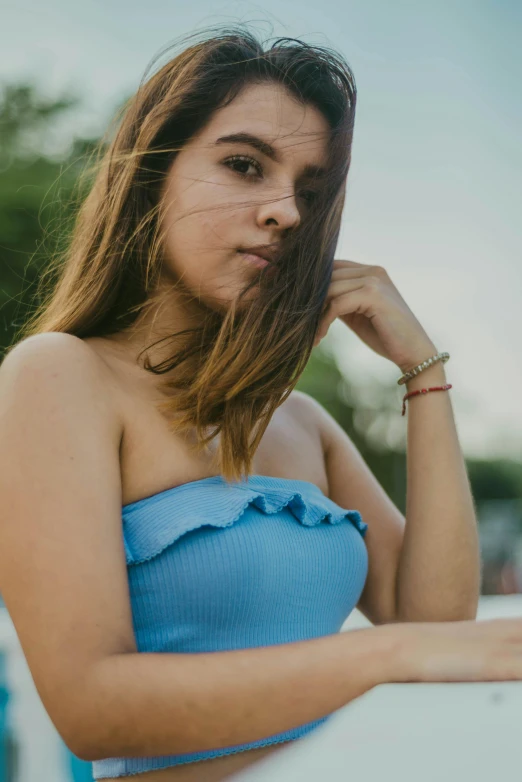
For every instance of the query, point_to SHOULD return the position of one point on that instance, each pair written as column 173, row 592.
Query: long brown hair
column 233, row 370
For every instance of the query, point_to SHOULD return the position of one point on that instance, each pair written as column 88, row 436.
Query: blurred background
column 433, row 195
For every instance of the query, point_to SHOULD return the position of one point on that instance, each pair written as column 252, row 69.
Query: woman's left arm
column 439, row 564
column 434, row 557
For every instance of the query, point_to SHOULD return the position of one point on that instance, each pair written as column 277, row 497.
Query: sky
column 434, row 186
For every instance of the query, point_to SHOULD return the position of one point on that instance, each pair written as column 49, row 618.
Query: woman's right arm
column 160, row 704
column 64, row 581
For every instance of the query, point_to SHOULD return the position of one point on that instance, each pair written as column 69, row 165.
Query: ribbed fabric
column 214, row 566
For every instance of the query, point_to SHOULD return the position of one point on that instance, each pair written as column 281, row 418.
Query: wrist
column 383, row 659
column 405, row 654
column 420, row 354
column 432, row 376
column 397, row 637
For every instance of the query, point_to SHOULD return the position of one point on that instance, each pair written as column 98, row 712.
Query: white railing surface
column 405, row 732
column 409, row 732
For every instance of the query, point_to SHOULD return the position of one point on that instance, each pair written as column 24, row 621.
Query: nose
column 279, row 208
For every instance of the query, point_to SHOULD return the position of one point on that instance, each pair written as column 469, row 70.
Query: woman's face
column 222, row 195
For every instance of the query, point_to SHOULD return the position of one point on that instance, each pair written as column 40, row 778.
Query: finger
column 347, row 284
column 338, row 262
column 338, row 290
column 360, row 270
column 358, row 301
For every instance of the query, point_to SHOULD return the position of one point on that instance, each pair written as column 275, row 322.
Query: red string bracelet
column 423, row 391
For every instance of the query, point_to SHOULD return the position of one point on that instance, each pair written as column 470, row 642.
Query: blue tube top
column 215, row 566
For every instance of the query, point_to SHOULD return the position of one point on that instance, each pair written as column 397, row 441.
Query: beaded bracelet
column 423, row 391
column 421, row 367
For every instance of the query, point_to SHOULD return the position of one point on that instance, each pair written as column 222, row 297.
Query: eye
column 242, row 161
column 309, row 195
column 236, row 162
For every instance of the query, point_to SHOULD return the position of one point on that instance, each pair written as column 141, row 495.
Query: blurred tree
column 499, row 479
column 34, row 194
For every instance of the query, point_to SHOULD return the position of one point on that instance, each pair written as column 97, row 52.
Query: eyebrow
column 310, row 170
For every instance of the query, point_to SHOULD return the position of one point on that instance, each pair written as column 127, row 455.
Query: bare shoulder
column 310, row 413
column 305, row 402
column 51, row 348
column 62, row 357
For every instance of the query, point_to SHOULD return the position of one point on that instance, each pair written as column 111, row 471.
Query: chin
column 221, row 298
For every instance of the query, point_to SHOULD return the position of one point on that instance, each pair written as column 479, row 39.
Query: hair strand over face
column 228, row 375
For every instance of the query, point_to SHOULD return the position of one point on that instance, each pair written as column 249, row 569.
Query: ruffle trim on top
column 153, row 523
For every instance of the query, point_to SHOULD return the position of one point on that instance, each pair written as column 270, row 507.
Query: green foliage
column 500, row 479
column 35, row 191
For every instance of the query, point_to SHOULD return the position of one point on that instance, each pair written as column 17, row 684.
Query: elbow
column 81, row 743
column 461, row 611
column 446, row 614
column 87, row 743
column 89, row 736
column 470, row 613
column 460, row 607
column 82, row 725
column 83, row 753
column 100, row 728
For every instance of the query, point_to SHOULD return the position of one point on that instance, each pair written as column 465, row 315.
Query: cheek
column 202, row 236
column 202, row 224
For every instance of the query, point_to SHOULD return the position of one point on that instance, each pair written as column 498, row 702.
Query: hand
column 464, row 651
column 367, row 301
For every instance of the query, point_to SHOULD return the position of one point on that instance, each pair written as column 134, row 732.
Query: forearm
column 158, row 703
column 438, row 575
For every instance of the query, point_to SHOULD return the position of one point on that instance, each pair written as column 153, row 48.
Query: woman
column 207, row 634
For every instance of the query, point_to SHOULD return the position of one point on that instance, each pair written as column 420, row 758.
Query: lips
column 256, row 260
column 266, row 252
